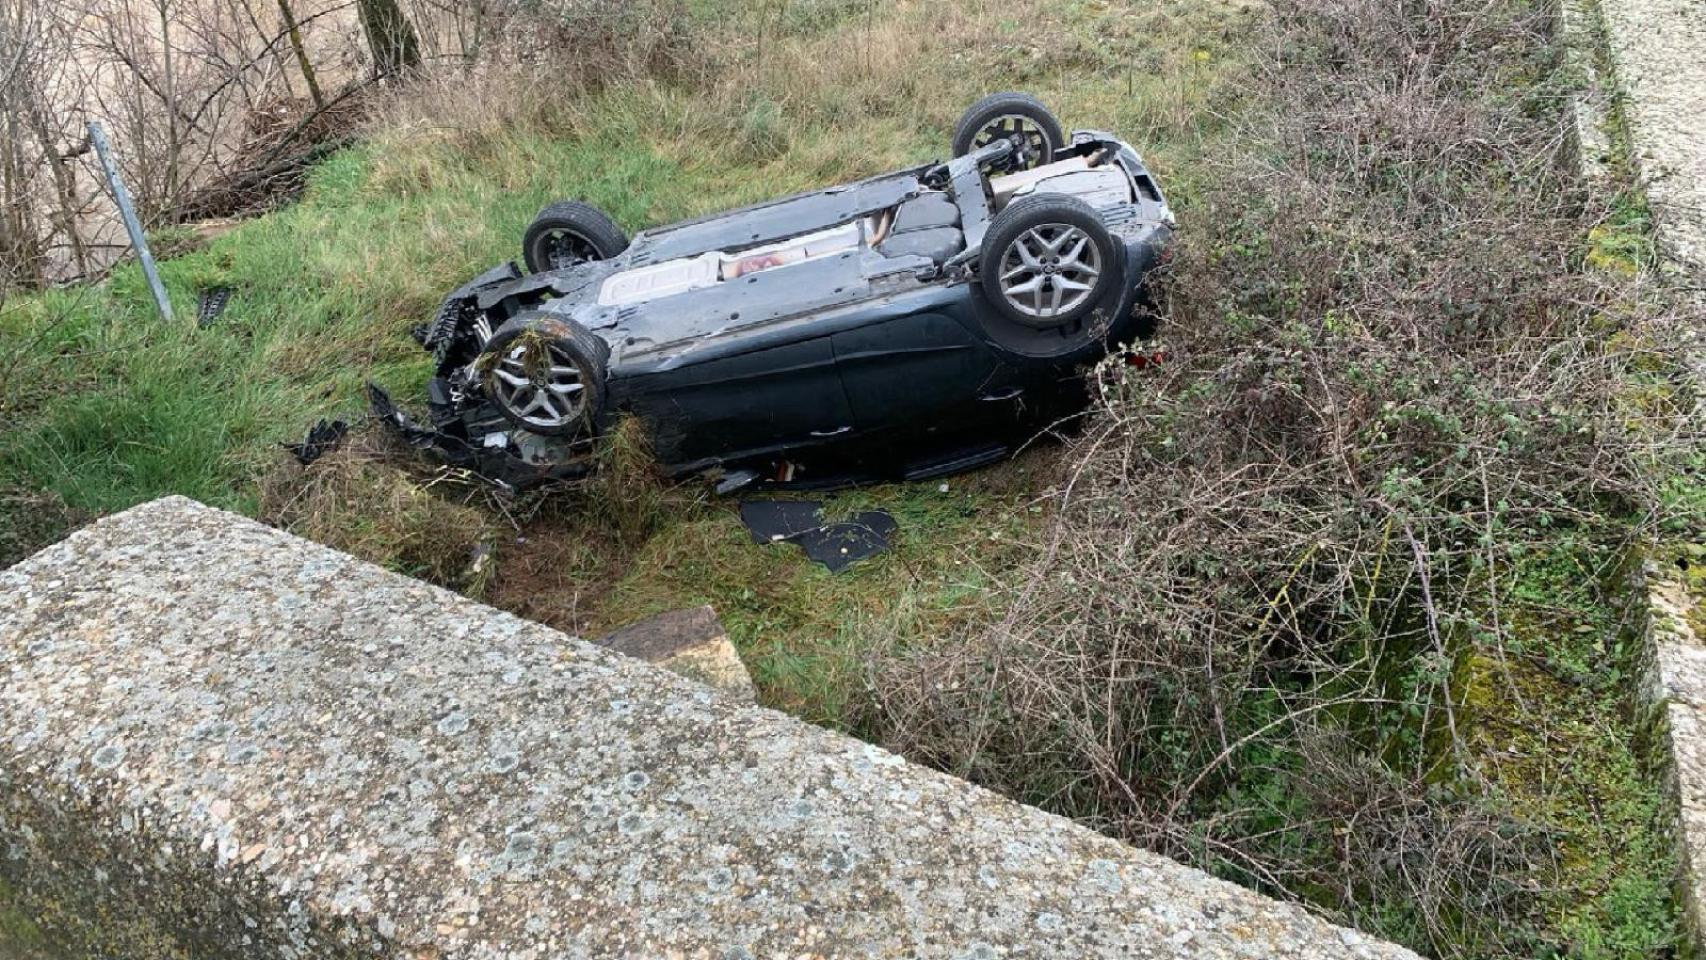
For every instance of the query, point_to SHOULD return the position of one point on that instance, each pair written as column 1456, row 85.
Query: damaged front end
column 492, row 457
column 463, row 428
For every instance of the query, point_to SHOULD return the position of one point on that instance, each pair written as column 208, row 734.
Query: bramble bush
column 1249, row 635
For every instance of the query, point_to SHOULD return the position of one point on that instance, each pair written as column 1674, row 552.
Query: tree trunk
column 20, row 245
column 471, row 51
column 302, row 60
column 390, row 37
column 169, row 80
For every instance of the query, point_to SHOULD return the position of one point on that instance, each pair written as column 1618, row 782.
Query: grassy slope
column 107, row 407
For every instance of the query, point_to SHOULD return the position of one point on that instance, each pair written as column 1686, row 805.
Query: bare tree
column 200, row 97
column 39, row 197
column 390, row 37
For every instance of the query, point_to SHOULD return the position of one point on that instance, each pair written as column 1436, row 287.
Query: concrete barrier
column 1676, row 686
column 217, row 740
column 1656, row 50
column 1658, row 53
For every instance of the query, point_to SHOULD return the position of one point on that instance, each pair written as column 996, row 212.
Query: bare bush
column 1242, row 641
column 590, row 42
column 184, row 87
column 38, row 195
column 217, row 107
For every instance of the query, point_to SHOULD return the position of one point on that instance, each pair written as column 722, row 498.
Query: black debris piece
column 772, row 520
column 839, row 544
column 835, row 545
column 321, row 439
column 210, row 304
column 412, row 433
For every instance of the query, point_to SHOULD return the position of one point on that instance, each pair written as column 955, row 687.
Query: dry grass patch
column 356, row 499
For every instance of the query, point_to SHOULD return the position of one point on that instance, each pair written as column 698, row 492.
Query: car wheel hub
column 539, row 385
column 1031, row 144
column 1050, row 270
column 566, row 248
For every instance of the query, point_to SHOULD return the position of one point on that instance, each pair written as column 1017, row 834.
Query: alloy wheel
column 1049, row 270
column 540, row 385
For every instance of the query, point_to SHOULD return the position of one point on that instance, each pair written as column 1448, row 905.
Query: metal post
column 133, row 226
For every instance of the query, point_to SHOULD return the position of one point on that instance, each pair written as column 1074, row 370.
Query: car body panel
column 773, row 220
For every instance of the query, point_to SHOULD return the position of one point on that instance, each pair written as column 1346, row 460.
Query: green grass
column 801, row 629
column 112, row 406
column 106, row 406
column 1558, row 731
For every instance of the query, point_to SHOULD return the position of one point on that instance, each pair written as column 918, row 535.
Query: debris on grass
column 321, row 438
column 210, row 303
column 835, row 544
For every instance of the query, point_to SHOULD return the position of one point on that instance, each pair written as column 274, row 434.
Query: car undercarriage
column 914, row 323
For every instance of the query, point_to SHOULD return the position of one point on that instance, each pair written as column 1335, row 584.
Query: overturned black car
column 910, row 325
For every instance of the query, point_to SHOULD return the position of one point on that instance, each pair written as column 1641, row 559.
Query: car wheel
column 567, row 233
column 545, row 374
column 1018, row 117
column 1047, row 261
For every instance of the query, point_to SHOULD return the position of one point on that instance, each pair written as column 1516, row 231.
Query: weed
column 629, row 491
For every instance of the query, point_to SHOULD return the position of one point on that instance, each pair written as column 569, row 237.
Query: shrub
column 355, row 499
column 1245, row 640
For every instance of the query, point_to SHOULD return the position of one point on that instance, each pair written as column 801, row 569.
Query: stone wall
column 1657, row 52
column 217, row 740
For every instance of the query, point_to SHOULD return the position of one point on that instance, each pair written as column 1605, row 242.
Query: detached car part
column 836, row 544
column 909, row 325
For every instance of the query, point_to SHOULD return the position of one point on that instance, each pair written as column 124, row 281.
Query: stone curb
column 1657, row 50
column 221, row 741
column 1658, row 53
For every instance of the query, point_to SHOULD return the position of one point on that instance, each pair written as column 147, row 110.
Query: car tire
column 1010, row 115
column 545, row 374
column 1047, row 262
column 569, row 232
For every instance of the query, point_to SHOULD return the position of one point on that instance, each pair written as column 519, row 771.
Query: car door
column 753, row 402
column 922, row 372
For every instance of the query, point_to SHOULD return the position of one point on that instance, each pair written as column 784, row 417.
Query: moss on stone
column 21, row 938
column 1559, row 733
